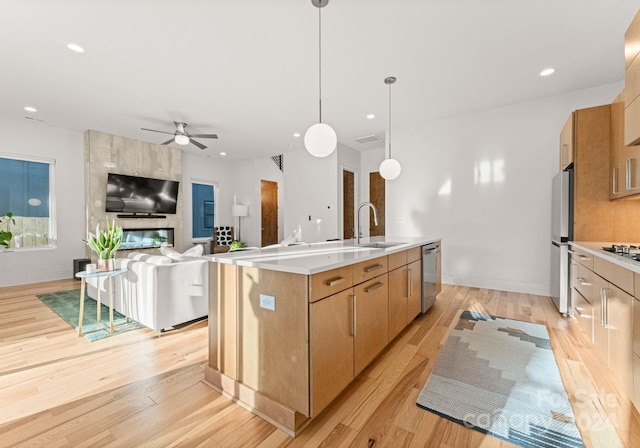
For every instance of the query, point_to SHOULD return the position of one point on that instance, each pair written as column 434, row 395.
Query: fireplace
column 146, row 238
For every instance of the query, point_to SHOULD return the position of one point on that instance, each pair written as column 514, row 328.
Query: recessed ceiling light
column 548, row 71
column 75, row 47
column 223, row 153
column 30, row 109
column 296, row 134
column 371, row 116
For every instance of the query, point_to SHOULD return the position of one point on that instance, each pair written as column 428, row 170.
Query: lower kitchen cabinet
column 405, row 296
column 331, row 332
column 619, row 322
column 371, row 321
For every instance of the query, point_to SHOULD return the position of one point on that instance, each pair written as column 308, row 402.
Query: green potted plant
column 105, row 244
column 5, row 229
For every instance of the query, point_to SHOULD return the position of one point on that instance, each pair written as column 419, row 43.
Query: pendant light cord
column 320, row 62
column 389, row 120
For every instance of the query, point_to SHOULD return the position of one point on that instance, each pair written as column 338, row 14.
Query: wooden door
column 348, row 204
column 331, row 345
column 371, row 309
column 269, row 206
column 377, row 197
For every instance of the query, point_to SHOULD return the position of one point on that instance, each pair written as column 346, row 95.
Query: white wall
column 206, row 170
column 247, row 175
column 348, row 159
column 482, row 182
column 25, row 138
column 311, row 191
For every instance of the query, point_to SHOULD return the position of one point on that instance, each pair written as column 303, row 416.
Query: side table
column 109, row 275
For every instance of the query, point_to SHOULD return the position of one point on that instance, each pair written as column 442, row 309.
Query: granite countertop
column 312, row 258
column 595, row 249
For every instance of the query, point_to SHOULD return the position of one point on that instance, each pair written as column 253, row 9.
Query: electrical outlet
column 267, row 302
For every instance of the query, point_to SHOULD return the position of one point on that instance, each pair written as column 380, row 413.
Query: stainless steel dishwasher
column 431, row 275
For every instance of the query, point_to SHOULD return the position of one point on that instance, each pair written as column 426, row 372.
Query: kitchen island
column 291, row 327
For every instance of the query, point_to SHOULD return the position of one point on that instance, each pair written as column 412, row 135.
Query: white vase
column 106, row 264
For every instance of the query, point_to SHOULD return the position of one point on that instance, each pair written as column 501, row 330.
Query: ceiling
column 248, row 69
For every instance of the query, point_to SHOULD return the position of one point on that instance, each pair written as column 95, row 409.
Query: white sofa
column 159, row 291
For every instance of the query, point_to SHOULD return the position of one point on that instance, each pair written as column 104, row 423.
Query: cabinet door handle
column 572, row 251
column 375, row 267
column 583, row 282
column 373, row 287
column 614, row 181
column 409, row 284
column 334, row 281
column 579, row 313
column 353, row 315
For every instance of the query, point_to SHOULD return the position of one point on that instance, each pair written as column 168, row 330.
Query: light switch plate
column 267, row 302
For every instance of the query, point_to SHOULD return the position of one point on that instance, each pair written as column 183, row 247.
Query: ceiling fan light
column 320, row 140
column 390, row 169
column 181, row 139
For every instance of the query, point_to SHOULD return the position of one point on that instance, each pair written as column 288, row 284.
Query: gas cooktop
column 624, row 250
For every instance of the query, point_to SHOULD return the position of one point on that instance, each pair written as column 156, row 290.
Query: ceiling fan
column 182, row 137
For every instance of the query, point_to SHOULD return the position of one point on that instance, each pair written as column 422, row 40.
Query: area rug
column 499, row 376
column 66, row 305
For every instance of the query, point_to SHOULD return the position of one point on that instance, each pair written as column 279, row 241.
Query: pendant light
column 390, row 168
column 320, row 140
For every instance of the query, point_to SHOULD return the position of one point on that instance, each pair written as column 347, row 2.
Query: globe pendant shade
column 320, row 140
column 390, row 169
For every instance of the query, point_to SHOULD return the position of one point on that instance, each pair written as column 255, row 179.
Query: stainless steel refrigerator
column 561, row 233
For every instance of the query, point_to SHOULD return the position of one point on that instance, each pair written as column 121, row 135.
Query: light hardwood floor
column 139, row 389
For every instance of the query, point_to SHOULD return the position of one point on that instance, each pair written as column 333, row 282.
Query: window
column 203, row 207
column 26, row 187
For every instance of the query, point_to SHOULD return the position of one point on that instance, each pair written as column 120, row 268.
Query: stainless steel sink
column 380, row 245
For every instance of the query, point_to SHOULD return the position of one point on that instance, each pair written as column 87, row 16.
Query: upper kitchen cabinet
column 618, row 174
column 591, row 140
column 567, row 143
column 631, row 92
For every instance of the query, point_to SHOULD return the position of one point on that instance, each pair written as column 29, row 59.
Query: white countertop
column 312, row 258
column 595, row 248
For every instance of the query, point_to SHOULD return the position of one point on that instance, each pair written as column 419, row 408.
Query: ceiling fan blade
column 154, row 130
column 204, row 135
column 198, row 144
column 167, row 142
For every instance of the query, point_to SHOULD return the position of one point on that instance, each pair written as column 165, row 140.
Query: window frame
column 216, row 193
column 53, row 217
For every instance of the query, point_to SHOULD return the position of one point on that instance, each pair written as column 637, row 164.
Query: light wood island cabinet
column 286, row 344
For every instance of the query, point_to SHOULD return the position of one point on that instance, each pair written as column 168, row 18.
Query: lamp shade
column 320, row 140
column 239, row 210
column 390, row 169
column 181, row 139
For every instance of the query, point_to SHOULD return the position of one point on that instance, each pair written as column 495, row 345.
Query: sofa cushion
column 158, row 259
column 189, row 254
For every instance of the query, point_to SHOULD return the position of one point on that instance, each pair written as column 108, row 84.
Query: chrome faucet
column 375, row 218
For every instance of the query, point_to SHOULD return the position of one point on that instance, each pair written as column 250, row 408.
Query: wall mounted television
column 141, row 195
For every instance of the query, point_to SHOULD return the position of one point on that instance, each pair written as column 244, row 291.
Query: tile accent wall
column 107, row 153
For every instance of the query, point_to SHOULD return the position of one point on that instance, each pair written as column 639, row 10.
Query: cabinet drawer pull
column 334, row 281
column 353, row 315
column 581, row 315
column 375, row 267
column 373, row 287
column 583, row 282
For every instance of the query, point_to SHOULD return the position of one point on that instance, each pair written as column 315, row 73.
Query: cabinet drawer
column 582, row 280
column 324, row 284
column 619, row 276
column 415, row 254
column 583, row 312
column 368, row 269
column 397, row 260
column 636, row 327
column 582, row 257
